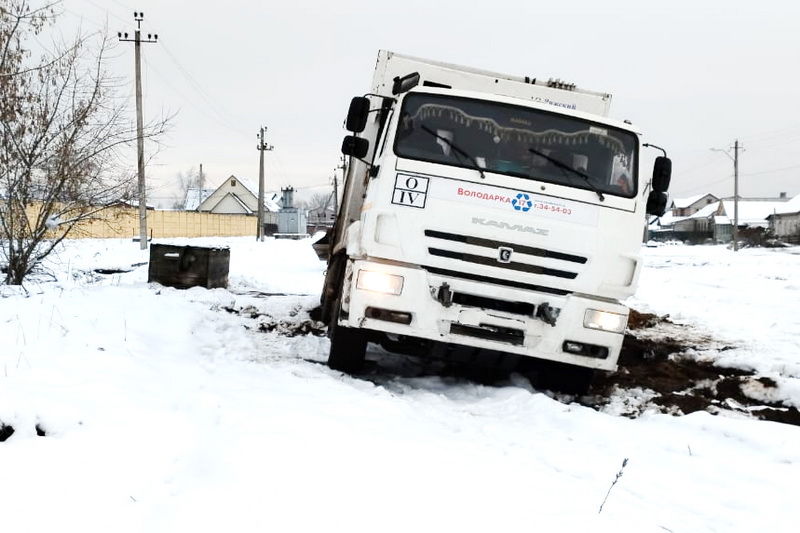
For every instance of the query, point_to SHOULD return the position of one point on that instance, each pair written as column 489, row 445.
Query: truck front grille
column 491, row 261
column 493, row 280
column 467, row 250
column 494, row 245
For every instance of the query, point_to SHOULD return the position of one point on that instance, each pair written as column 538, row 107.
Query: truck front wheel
column 558, row 377
column 348, row 346
column 568, row 379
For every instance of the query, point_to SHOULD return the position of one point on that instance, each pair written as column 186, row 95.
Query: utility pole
column 262, row 147
column 335, row 194
column 138, row 16
column 736, row 195
column 343, row 167
column 735, row 158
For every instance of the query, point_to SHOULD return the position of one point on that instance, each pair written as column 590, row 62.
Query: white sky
column 693, row 76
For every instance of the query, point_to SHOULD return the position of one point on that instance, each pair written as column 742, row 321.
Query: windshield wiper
column 456, row 149
column 563, row 166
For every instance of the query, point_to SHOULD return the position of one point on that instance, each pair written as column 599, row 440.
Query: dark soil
column 289, row 328
column 683, row 384
column 657, row 355
column 5, row 432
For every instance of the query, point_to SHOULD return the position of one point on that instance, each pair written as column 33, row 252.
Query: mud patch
column 5, row 432
column 266, row 323
column 292, row 329
column 675, row 365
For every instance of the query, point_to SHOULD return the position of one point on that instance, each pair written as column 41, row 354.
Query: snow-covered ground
column 137, row 407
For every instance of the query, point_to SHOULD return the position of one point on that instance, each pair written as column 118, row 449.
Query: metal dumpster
column 189, row 266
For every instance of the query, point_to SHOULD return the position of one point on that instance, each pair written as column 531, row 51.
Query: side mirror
column 657, row 203
column 406, row 83
column 357, row 114
column 662, row 173
column 355, row 146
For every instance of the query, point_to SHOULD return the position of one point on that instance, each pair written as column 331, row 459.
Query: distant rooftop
column 195, row 197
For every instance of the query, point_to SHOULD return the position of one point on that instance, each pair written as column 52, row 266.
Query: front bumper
column 483, row 315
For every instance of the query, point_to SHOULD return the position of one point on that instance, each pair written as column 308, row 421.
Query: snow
column 170, row 410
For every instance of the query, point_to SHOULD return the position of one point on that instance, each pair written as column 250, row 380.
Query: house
column 784, row 221
column 677, row 223
column 684, row 207
column 708, row 219
column 699, row 226
column 237, row 196
column 753, row 214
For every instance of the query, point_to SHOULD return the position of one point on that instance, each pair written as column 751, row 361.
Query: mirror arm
column 648, row 145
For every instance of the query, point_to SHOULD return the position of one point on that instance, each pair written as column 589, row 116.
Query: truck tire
column 558, row 377
column 567, row 379
column 348, row 345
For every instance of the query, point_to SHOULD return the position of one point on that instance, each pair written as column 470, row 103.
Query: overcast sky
column 693, row 75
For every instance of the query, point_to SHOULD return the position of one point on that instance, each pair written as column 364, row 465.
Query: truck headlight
column 369, row 280
column 605, row 321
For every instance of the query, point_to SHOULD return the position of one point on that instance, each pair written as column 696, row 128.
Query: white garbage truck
column 487, row 218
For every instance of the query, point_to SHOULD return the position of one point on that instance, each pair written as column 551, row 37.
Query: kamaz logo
column 506, row 225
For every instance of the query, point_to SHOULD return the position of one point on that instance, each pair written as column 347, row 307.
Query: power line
column 770, row 171
column 222, row 114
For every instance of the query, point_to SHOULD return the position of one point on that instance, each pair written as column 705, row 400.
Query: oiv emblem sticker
column 410, row 190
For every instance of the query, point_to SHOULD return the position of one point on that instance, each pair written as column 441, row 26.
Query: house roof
column 682, row 203
column 752, row 212
column 272, row 200
column 667, row 219
column 789, row 208
column 706, row 211
column 195, row 197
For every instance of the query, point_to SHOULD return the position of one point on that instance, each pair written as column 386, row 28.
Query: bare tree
column 61, row 140
column 320, row 208
column 191, row 179
column 319, row 201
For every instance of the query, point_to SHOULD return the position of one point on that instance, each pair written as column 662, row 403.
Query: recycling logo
column 522, row 202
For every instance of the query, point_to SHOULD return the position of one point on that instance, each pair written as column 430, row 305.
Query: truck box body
column 435, row 74
column 490, row 213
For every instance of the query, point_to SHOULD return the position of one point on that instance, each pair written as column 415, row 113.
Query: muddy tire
column 348, row 345
column 559, row 377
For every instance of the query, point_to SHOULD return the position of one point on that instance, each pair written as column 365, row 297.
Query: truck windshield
column 518, row 141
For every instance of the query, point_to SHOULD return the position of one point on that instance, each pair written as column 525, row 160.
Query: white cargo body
column 486, row 217
column 435, row 74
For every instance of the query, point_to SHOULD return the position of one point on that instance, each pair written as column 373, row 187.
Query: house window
column 233, row 183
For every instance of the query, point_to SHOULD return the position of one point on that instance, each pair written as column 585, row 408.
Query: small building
column 682, row 222
column 752, row 214
column 705, row 218
column 235, row 196
column 684, row 207
column 699, row 226
column 784, row 221
column 292, row 221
